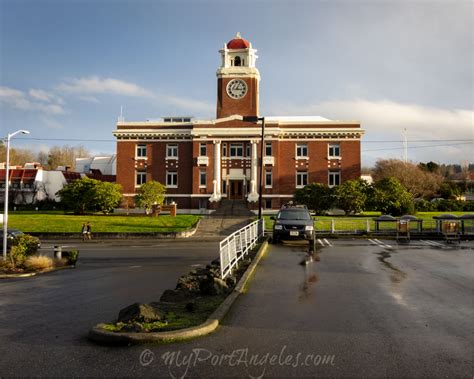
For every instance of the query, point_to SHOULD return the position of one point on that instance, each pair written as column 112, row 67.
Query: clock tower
column 237, row 79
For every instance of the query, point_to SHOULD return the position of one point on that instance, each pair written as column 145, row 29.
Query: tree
column 87, row 194
column 316, row 196
column 65, row 156
column 420, row 183
column 108, row 196
column 150, row 194
column 390, row 197
column 351, row 196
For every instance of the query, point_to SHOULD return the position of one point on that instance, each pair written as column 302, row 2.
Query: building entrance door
column 236, row 188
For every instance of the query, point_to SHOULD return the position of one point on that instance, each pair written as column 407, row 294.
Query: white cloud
column 386, row 120
column 45, row 96
column 90, row 99
column 97, row 85
column 185, row 104
column 33, row 101
column 50, row 123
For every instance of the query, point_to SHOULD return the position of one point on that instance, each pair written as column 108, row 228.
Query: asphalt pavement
column 368, row 308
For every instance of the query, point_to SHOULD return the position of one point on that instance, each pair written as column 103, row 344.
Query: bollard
column 57, row 252
column 367, row 226
column 333, row 229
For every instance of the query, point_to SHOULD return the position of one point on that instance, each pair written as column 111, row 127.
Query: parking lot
column 366, row 308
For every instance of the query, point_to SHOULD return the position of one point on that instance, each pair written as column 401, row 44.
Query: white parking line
column 329, row 244
column 320, row 242
column 379, row 243
column 432, row 243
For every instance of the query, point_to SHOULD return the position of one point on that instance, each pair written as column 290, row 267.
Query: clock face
column 236, row 88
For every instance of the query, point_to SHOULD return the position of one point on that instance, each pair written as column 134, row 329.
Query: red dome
column 238, row 43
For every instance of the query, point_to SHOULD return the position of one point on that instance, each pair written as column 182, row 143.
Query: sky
column 67, row 67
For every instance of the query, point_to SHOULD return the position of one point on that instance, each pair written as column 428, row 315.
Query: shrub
column 71, row 256
column 23, row 247
column 39, row 262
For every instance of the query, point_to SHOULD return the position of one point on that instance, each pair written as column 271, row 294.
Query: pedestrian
column 88, row 228
column 84, row 231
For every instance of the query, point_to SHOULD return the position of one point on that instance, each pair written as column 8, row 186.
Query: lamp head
column 25, row 131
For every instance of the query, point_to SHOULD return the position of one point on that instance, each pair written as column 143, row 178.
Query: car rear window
column 293, row 215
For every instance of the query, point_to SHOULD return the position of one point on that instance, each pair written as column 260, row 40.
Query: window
column 237, row 61
column 141, row 151
column 203, row 150
column 171, row 151
column 334, row 178
column 171, row 179
column 224, row 150
column 268, row 179
column 301, row 150
column 202, row 179
column 301, row 179
column 224, row 187
column 236, row 150
column 248, row 150
column 140, row 178
column 334, row 150
column 268, row 203
column 268, row 149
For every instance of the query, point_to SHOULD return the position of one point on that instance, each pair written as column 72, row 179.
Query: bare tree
column 420, row 183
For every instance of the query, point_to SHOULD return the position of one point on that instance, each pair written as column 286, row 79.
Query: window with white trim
column 202, row 150
column 224, row 150
column 268, row 179
column 171, row 179
column 334, row 178
column 236, row 150
column 202, row 179
column 301, row 179
column 140, row 178
column 171, row 151
column 334, row 150
column 268, row 149
column 301, row 150
column 141, row 151
column 248, row 151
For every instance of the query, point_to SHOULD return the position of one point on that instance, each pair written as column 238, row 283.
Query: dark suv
column 293, row 223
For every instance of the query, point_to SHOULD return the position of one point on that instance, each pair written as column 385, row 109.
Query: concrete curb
column 100, row 335
column 106, row 235
column 30, row 274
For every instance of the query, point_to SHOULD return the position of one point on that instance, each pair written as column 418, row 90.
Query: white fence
column 234, row 247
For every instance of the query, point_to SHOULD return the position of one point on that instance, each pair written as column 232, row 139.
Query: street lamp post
column 262, row 140
column 5, row 213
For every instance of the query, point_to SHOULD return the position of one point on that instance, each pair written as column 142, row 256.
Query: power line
column 419, row 147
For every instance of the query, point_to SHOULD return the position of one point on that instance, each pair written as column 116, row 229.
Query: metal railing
column 366, row 226
column 236, row 246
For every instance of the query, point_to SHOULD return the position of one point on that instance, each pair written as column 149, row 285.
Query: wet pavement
column 366, row 308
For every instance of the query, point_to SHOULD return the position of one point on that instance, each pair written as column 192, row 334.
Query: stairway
column 230, row 217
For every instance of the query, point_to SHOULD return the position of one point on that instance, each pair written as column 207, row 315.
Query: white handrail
column 235, row 247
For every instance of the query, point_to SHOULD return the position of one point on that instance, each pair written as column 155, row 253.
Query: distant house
column 106, row 165
column 32, row 183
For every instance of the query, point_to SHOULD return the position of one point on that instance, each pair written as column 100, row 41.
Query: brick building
column 205, row 161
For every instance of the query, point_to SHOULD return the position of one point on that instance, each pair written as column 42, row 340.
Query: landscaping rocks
column 133, row 328
column 231, row 281
column 175, row 296
column 213, row 286
column 139, row 312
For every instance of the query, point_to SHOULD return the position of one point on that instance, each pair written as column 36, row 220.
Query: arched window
column 237, row 61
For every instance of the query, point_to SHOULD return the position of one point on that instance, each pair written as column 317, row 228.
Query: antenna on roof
column 405, row 145
column 120, row 119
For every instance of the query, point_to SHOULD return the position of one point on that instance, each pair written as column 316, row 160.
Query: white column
column 216, row 195
column 253, row 195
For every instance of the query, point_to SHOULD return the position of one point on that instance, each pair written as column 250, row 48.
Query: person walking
column 84, row 231
column 89, row 231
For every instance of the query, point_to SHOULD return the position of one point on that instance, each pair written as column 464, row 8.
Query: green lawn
column 68, row 223
column 360, row 222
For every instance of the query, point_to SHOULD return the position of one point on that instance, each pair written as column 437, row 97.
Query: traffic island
column 194, row 308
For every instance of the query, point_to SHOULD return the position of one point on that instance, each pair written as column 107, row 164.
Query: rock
column 216, row 262
column 231, row 281
column 213, row 286
column 191, row 307
column 188, row 283
column 175, row 296
column 133, row 328
column 140, row 313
